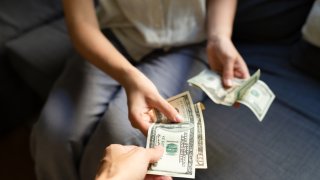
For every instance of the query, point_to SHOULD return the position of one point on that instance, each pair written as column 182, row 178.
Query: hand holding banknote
column 252, row 92
column 224, row 58
column 142, row 97
column 184, row 143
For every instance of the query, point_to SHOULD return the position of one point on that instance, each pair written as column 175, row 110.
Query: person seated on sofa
column 145, row 53
column 304, row 58
column 128, row 162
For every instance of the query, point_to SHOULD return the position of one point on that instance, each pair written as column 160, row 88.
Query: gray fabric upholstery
column 270, row 21
column 291, row 86
column 285, row 144
column 19, row 16
column 17, row 101
column 16, row 18
column 39, row 55
column 306, row 57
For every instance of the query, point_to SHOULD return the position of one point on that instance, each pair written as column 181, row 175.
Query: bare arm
column 141, row 93
column 221, row 17
column 222, row 54
column 91, row 43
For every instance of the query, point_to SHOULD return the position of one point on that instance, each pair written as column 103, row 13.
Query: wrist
column 130, row 78
column 216, row 37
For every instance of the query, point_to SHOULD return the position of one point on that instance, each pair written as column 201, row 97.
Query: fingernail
column 179, row 118
column 228, row 82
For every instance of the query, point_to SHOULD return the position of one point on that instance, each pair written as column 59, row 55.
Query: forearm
column 220, row 17
column 93, row 45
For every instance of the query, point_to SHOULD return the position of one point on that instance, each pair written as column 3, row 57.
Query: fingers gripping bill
column 184, row 142
column 252, row 92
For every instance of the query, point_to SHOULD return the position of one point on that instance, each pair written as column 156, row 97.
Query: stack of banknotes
column 184, row 143
column 252, row 92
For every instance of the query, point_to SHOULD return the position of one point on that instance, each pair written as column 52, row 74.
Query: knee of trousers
column 53, row 153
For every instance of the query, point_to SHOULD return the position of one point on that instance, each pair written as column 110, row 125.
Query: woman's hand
column 224, row 58
column 142, row 97
column 222, row 55
column 128, row 162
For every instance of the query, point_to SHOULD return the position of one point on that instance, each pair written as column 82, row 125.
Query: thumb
column 227, row 74
column 155, row 153
column 170, row 112
column 138, row 122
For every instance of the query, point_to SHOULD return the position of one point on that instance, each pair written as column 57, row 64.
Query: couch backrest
column 270, row 20
column 18, row 16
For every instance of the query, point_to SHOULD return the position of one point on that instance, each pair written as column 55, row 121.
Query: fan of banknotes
column 184, row 142
column 252, row 92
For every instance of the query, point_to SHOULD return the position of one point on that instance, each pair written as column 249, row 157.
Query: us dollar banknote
column 251, row 92
column 201, row 154
column 178, row 140
column 184, row 142
column 183, row 104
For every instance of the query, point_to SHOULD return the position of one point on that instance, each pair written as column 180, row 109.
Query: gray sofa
column 34, row 47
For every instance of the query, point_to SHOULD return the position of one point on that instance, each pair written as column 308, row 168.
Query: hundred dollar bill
column 210, row 82
column 178, row 142
column 201, row 154
column 178, row 139
column 183, row 104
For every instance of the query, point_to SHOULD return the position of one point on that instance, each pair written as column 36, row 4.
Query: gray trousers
column 87, row 110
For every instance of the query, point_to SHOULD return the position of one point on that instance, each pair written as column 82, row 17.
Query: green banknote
column 252, row 92
column 184, row 142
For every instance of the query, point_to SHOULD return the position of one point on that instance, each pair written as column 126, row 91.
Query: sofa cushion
column 293, row 88
column 39, row 55
column 17, row 101
column 285, row 144
column 306, row 57
column 19, row 16
column 270, row 20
